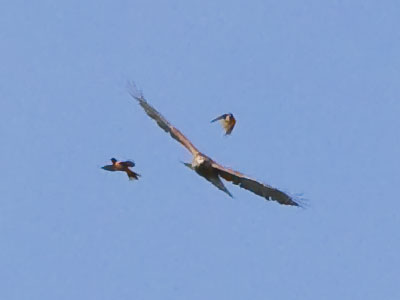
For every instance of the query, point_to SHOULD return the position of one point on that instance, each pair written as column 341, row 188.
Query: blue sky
column 315, row 88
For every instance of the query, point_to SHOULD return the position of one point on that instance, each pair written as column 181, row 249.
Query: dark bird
column 227, row 121
column 208, row 168
column 122, row 166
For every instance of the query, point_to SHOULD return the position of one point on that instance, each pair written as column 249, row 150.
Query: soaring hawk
column 208, row 168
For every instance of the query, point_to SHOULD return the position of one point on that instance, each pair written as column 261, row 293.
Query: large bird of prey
column 208, row 168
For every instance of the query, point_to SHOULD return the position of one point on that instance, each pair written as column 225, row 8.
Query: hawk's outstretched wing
column 161, row 121
column 254, row 186
column 215, row 180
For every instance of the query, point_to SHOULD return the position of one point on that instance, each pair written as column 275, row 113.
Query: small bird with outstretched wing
column 208, row 168
column 227, row 121
column 122, row 166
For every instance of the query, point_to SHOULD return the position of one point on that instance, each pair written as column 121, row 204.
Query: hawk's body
column 208, row 168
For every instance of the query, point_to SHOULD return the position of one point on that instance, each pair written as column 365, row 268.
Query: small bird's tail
column 132, row 175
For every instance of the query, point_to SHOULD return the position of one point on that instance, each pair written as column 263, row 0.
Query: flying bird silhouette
column 228, row 121
column 122, row 166
column 208, row 168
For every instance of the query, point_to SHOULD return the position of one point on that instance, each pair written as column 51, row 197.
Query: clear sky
column 315, row 88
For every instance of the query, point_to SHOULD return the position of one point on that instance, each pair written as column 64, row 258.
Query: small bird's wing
column 108, row 168
column 161, row 121
column 263, row 190
column 221, row 117
column 127, row 163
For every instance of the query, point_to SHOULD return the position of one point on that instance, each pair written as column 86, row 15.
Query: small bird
column 227, row 121
column 122, row 166
column 208, row 168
